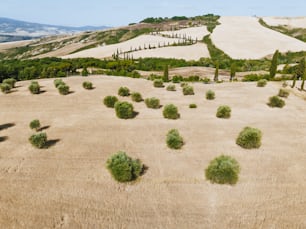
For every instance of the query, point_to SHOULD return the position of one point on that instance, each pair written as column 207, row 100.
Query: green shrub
column 5, row 88
column 136, row 97
column 58, row 82
column 262, row 83
column 10, row 81
column 35, row 124
column 192, row 105
column 249, row 138
column 87, row 85
column 174, row 140
column 123, row 168
column 171, row 112
column 63, row 89
column 283, row 93
column 275, row 101
column 110, row 101
column 124, row 110
column 171, row 87
column 188, row 90
column 223, row 170
column 224, row 112
column 158, row 83
column 152, row 103
column 38, row 140
column 210, row 95
column 206, row 80
column 124, row 91
column 184, row 84
column 34, row 87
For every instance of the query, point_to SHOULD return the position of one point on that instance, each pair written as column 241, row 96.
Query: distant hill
column 15, row 30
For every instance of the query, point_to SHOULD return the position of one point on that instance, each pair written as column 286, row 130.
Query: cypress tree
column 216, row 71
column 166, row 73
column 233, row 71
column 303, row 72
column 273, row 66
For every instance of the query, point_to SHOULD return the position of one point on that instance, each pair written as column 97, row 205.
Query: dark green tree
column 166, row 73
column 299, row 72
column 233, row 71
column 273, row 66
column 216, row 78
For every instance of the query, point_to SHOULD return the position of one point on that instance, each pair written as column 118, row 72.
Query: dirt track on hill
column 68, row 186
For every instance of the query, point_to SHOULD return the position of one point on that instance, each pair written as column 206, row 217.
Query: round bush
column 223, row 170
column 188, row 90
column 283, row 93
column 171, row 87
column 5, row 88
column 123, row 168
column 124, row 91
column 35, row 124
column 124, row 110
column 262, row 83
column 158, row 83
column 275, row 101
column 38, row 140
column 210, row 95
column 63, row 89
column 249, row 138
column 136, row 97
column 152, row 103
column 34, row 87
column 10, row 81
column 58, row 82
column 171, row 112
column 174, row 140
column 184, row 84
column 110, row 101
column 87, row 85
column 192, row 105
column 224, row 112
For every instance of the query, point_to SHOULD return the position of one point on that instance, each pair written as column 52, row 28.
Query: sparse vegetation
column 124, row 91
column 192, row 105
column 174, row 140
column 224, row 112
column 249, row 138
column 283, row 93
column 158, row 83
column 109, row 101
column 38, row 140
column 188, row 90
column 87, row 85
column 275, row 101
column 262, row 83
column 35, row 124
column 153, row 103
column 171, row 112
column 136, row 97
column 171, row 87
column 123, row 168
column 124, row 110
column 210, row 95
column 5, row 88
column 223, row 170
column 34, row 87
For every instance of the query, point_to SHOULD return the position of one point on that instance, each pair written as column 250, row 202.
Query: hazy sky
column 115, row 12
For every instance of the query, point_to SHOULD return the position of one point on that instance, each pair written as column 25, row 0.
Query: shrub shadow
column 4, row 138
column 145, row 168
column 6, row 126
column 43, row 128
column 51, row 143
column 135, row 113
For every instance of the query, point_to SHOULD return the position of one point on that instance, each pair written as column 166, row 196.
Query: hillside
column 68, row 185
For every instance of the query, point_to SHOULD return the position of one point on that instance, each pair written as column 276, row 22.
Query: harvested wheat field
column 245, row 38
column 68, row 185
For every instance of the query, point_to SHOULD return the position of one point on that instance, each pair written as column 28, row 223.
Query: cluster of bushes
column 62, row 87
column 174, row 140
column 123, row 168
column 34, row 87
column 87, row 85
column 38, row 140
column 7, row 85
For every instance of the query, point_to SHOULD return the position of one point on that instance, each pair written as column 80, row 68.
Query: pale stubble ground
column 68, row 186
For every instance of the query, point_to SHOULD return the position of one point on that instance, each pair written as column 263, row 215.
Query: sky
column 117, row 13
